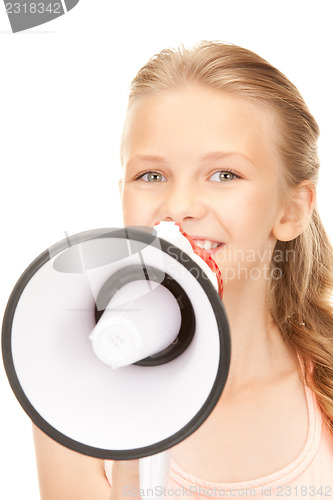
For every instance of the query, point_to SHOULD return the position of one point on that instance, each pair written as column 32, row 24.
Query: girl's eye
column 150, row 176
column 224, row 176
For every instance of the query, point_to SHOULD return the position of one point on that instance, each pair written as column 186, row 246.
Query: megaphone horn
column 130, row 299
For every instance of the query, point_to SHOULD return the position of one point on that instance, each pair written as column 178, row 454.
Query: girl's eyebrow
column 221, row 155
column 149, row 158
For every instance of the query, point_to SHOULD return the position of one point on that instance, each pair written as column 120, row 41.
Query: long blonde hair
column 300, row 300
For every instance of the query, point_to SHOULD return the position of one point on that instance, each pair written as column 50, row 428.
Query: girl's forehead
column 200, row 121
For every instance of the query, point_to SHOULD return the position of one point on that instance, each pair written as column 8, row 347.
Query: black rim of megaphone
column 223, row 331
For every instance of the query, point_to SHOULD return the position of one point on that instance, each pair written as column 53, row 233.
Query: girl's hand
column 125, row 480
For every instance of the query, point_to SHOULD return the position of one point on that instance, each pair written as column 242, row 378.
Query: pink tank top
column 309, row 476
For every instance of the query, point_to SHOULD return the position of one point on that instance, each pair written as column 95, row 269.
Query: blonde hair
column 300, row 300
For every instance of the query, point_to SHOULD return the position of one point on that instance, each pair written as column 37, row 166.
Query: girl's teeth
column 206, row 245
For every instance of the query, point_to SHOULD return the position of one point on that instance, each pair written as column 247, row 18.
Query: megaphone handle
column 154, row 471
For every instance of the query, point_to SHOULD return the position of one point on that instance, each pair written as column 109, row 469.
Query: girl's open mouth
column 208, row 245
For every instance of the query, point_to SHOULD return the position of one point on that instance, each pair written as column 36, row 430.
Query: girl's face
column 207, row 160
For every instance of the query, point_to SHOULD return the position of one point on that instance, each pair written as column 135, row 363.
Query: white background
column 63, row 92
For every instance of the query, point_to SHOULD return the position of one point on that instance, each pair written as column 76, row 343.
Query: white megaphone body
column 116, row 344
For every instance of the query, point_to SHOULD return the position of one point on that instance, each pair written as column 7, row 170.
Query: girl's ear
column 297, row 213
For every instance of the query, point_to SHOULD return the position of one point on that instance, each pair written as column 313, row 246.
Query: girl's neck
column 258, row 350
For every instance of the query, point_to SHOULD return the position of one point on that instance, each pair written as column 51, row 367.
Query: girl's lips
column 203, row 238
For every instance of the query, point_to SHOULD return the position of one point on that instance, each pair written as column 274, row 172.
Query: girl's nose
column 181, row 203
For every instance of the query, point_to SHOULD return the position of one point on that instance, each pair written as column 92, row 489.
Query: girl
column 219, row 140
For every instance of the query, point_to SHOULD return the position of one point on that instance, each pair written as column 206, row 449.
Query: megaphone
column 116, row 342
